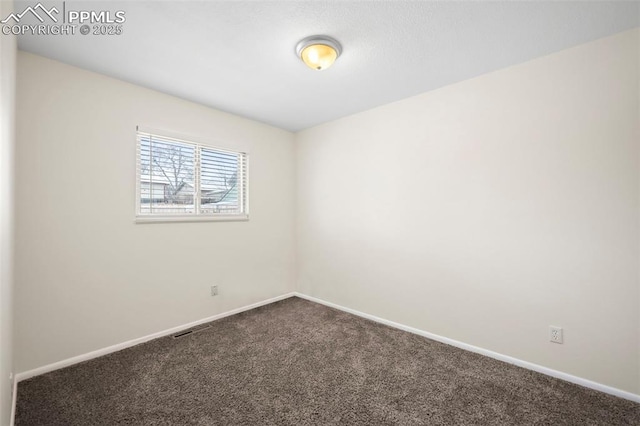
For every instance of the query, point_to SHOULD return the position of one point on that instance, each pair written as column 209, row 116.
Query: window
column 181, row 180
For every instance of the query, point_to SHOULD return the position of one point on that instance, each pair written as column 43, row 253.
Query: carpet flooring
column 296, row 362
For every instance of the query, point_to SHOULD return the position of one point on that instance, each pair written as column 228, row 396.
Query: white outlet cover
column 555, row 334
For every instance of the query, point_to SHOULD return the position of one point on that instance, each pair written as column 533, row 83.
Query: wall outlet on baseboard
column 555, row 334
column 214, row 290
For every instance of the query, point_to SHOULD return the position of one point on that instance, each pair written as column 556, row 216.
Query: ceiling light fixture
column 319, row 52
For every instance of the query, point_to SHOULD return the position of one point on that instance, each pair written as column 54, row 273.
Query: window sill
column 202, row 218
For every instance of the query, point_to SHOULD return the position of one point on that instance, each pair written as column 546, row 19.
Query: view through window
column 177, row 178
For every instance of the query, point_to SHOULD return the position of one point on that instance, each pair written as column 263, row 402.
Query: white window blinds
column 178, row 179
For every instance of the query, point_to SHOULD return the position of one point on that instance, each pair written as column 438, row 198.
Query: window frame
column 197, row 216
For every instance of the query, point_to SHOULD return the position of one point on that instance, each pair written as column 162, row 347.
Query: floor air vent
column 191, row 331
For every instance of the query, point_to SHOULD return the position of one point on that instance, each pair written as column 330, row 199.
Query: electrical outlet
column 214, row 290
column 555, row 334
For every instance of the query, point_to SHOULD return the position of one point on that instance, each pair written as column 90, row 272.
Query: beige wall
column 490, row 209
column 87, row 277
column 7, row 117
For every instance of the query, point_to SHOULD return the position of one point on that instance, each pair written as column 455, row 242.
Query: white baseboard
column 14, row 399
column 110, row 349
column 508, row 359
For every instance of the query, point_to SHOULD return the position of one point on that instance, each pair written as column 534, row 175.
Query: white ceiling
column 239, row 56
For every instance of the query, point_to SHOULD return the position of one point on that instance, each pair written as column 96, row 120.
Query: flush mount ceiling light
column 319, row 52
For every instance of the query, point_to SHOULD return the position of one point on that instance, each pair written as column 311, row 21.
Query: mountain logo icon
column 38, row 11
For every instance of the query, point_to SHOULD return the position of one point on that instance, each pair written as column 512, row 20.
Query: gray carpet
column 299, row 363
